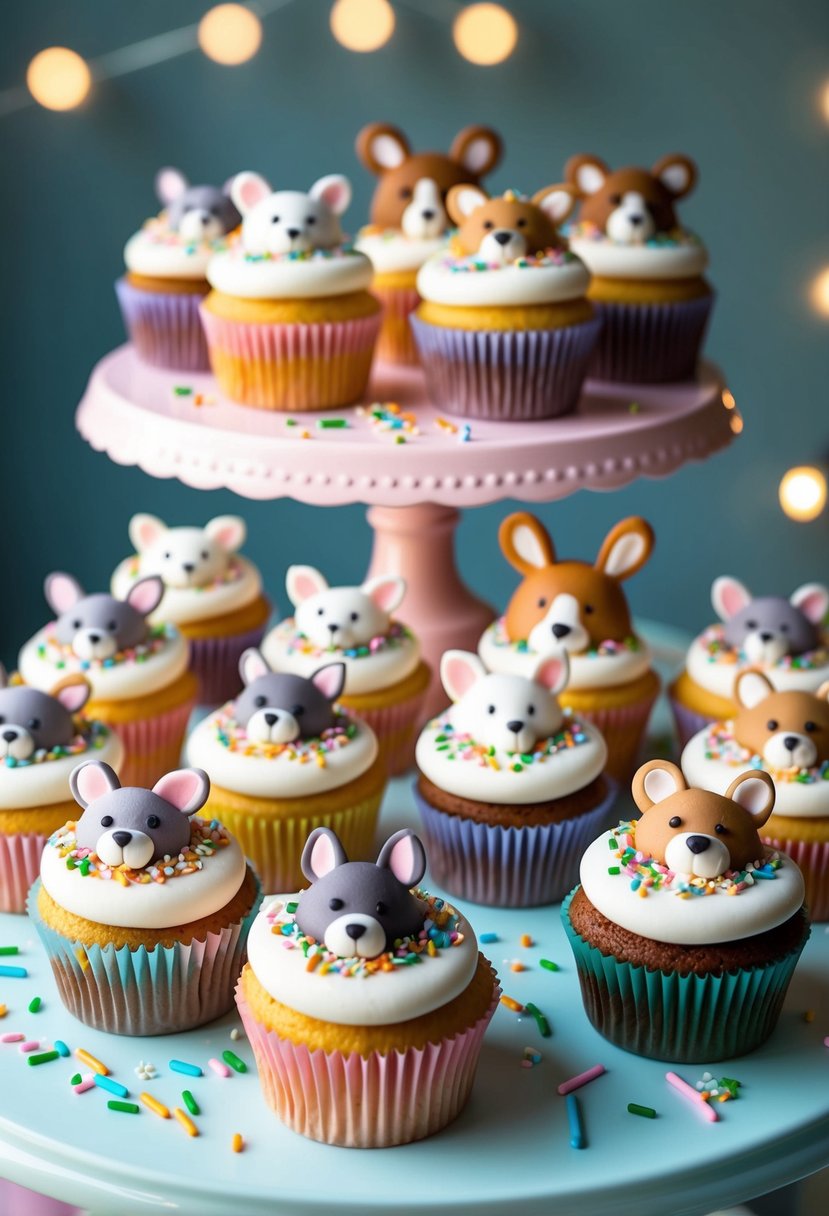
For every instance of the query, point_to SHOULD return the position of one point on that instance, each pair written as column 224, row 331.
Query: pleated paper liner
column 812, row 856
column 146, row 992
column 650, row 343
column 395, row 724
column 396, row 342
column 688, row 1019
column 688, row 722
column 165, row 329
column 215, row 664
column 623, row 728
column 152, row 746
column 20, row 855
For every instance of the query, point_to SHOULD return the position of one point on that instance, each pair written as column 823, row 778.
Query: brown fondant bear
column 411, row 192
column 694, row 831
column 503, row 229
column 787, row 729
column 631, row 205
column 571, row 604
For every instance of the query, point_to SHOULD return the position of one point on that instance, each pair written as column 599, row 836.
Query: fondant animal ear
column 381, row 146
column 252, row 665
column 228, row 531
column 169, row 185
column 145, row 530
column 334, row 190
column 323, row 853
column 330, row 680
column 557, row 202
column 459, row 670
column 247, row 189
column 91, row 781
column 823, row 692
column 461, row 201
column 62, row 592
column 553, row 673
column 813, row 601
column 525, row 543
column 626, row 548
column 586, row 174
column 677, row 173
column 751, row 687
column 186, row 788
column 754, row 791
column 729, row 597
column 404, row 855
column 73, row 692
column 478, row 149
column 655, row 781
column 386, row 590
column 301, row 582
column 145, row 595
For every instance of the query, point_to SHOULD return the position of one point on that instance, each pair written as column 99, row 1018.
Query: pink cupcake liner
column 506, row 375
column 396, row 342
column 373, row 1101
column 215, row 664
column 688, row 721
column 650, row 343
column 395, row 728
column 813, row 859
column 19, row 868
column 164, row 328
column 623, row 728
column 152, row 746
column 18, row 1201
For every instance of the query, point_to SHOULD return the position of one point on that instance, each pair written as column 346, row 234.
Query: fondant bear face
column 508, row 712
column 196, row 213
column 694, row 831
column 571, row 605
column 412, row 187
column 31, row 720
column 99, row 626
column 787, row 729
column 769, row 627
column 276, row 707
column 288, row 221
column 343, row 616
column 503, row 229
column 186, row 557
column 360, row 907
column 631, row 205
column 133, row 826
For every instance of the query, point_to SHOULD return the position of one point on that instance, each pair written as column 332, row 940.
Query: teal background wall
column 734, row 84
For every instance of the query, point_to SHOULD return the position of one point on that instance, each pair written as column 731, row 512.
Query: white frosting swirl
column 715, row 666
column 185, row 605
column 683, row 257
column 546, row 280
column 288, row 276
column 157, row 252
column 393, row 252
column 42, row 662
column 610, row 666
column 288, row 650
column 46, row 781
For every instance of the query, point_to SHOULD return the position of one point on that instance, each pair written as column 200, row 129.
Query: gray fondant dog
column 195, row 212
column 98, row 626
column 276, row 707
column 31, row 721
column 770, row 626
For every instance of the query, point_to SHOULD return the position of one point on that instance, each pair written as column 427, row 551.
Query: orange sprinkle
column 643, row 892
column 514, row 1005
column 526, row 939
column 186, row 1122
column 119, row 877
column 723, row 1097
column 91, row 1062
column 237, row 1143
column 153, row 1104
column 4, row 1010
column 516, row 966
column 312, row 962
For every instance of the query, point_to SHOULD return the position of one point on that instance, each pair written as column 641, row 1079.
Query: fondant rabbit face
column 509, row 712
column 186, row 557
column 342, row 617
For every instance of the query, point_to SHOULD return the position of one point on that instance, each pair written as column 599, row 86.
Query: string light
column 728, row 399
column 824, row 101
column 230, row 34
column 736, row 423
column 802, row 493
column 485, row 33
column 819, row 293
column 58, row 78
column 362, row 25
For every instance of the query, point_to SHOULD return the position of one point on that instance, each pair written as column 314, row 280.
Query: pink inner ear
column 252, row 190
column 336, row 196
column 733, row 597
column 145, row 595
column 229, row 536
column 552, row 673
column 182, row 788
column 147, row 531
column 304, row 584
column 169, row 184
column 255, row 666
column 329, row 681
column 93, row 782
column 402, row 860
column 64, row 592
column 323, row 857
column 459, row 676
column 813, row 605
column 73, row 697
column 386, row 594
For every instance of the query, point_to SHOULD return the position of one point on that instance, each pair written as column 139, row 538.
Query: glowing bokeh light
column 819, row 293
column 362, row 25
column 485, row 33
column 230, row 34
column 58, row 78
column 803, row 493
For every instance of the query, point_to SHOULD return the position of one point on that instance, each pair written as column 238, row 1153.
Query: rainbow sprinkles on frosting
column 207, row 838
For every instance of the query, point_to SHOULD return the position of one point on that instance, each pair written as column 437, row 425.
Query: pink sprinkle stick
column 567, row 1087
column 688, row 1091
column 87, row 1082
column 32, row 1045
column 219, row 1067
column 12, row 1037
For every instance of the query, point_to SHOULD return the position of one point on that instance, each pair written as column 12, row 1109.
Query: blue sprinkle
column 112, row 1087
column 635, row 884
column 488, row 937
column 61, row 1048
column 13, row 973
column 189, row 1070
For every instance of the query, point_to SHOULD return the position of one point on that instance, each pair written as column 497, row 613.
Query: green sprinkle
column 613, row 843
column 75, row 1079
column 71, row 864
column 647, row 1112
column 634, row 407
column 233, row 1060
column 613, row 870
column 126, row 1108
column 43, row 1057
column 7, row 950
column 400, row 439
column 181, row 390
column 190, row 1102
column 548, row 964
column 84, row 867
column 332, row 424
column 291, row 907
column 34, row 1004
column 540, row 1020
column 517, row 768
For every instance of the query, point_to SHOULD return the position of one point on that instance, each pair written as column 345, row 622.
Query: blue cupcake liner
column 165, row 328
column 650, row 343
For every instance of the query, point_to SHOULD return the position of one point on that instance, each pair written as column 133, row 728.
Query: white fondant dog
column 288, row 221
column 186, row 557
column 509, row 712
column 343, row 616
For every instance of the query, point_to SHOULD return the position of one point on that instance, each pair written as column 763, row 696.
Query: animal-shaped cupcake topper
column 196, row 213
column 361, row 907
column 631, row 205
column 289, row 221
column 787, row 729
column 133, row 826
column 503, row 229
column 186, row 557
column 99, row 626
column 412, row 187
column 571, row 605
column 694, row 831
column 276, row 707
column 343, row 616
column 31, row 721
column 509, row 712
column 770, row 626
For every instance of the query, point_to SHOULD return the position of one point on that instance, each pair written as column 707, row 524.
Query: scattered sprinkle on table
column 647, row 1112
column 186, row 1122
column 332, row 424
column 153, row 1104
column 548, row 964
column 722, row 1090
column 688, row 1091
column 12, row 1036
column 486, row 938
column 75, row 1079
column 511, row 1003
column 145, row 1071
column 35, row 1004
column 112, row 1087
column 189, row 1070
column 44, row 1057
column 540, row 1020
column 233, row 1060
column 182, row 390
column 87, row 1082
column 809, row 1015
column 577, row 1137
column 466, row 434
column 236, row 1033
column 31, row 1045
column 530, row 1058
column 237, row 1143
column 218, row 1067
column 126, row 1108
column 91, row 1062
column 516, row 966
column 190, row 1102
column 3, row 1011
column 6, row 951
column 582, row 1078
column 526, row 940
column 13, row 973
column 61, row 1048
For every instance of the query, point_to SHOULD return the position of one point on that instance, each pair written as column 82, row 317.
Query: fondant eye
column 674, row 822
column 260, row 701
column 77, row 624
column 810, row 726
column 772, row 724
column 310, row 219
column 34, row 724
column 615, row 199
column 335, row 904
column 490, row 709
column 381, row 908
column 542, row 603
column 751, row 624
column 589, row 609
column 320, row 611
column 112, row 626
column 2, row 719
column 204, row 555
column 721, row 829
column 522, row 223
column 488, row 224
column 153, row 821
column 297, row 710
column 355, row 616
column 274, row 219
column 106, row 822
column 405, row 192
column 167, row 555
column 530, row 710
column 784, row 628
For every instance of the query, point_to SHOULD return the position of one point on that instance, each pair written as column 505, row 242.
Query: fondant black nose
column 293, row 232
column 94, row 637
column 502, row 238
column 428, row 214
column 205, row 217
column 188, row 567
column 636, row 219
column 271, row 719
column 333, row 628
column 10, row 735
column 122, row 839
column 515, row 725
column 355, row 931
column 698, row 844
column 766, row 637
column 791, row 742
column 561, row 631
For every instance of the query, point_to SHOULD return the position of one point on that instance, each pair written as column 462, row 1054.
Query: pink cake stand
column 179, row 425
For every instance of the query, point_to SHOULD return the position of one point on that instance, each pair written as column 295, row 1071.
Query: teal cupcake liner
column 686, row 1019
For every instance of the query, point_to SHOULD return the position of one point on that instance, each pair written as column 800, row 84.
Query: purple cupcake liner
column 164, row 328
column 505, row 375
column 688, row 722
column 509, row 867
column 650, row 343
column 215, row 664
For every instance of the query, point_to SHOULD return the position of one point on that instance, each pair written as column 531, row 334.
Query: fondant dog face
column 360, row 907
column 571, row 605
column 631, row 205
column 196, row 213
column 32, row 721
column 412, row 187
column 99, row 626
column 788, row 729
column 342, row 616
column 279, row 707
column 288, row 221
column 503, row 229
column 134, row 826
column 508, row 712
column 769, row 627
column 186, row 557
column 694, row 831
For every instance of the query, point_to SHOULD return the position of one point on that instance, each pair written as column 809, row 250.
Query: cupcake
column 285, row 758
column 212, row 594
column 785, row 734
column 505, row 330
column 166, row 262
column 290, row 322
column 664, row 972
column 143, row 908
column 784, row 638
column 385, row 677
column 141, row 686
column 580, row 609
column 511, row 789
column 386, row 1060
column 409, row 222
column 648, row 284
column 42, row 738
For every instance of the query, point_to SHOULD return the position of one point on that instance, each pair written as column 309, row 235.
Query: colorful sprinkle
column 7, row 951
column 76, row 1078
column 126, row 1108
column 146, row 1071
column 332, row 424
column 540, row 1020
column 236, row 1033
column 12, row 1037
column 582, row 1078
column 112, row 1087
column 526, row 940
column 35, row 1004
column 189, row 1070
column 646, row 1112
column 153, row 1104
column 233, row 1060
column 91, row 1062
column 687, row 1091
column 13, row 973
column 577, row 1137
column 190, row 1102
column 218, row 1067
column 31, row 1045
column 87, row 1082
column 237, row 1143
column 186, row 1122
column 512, row 1004
column 548, row 964
column 44, row 1057
column 62, row 1049
column 486, row 938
